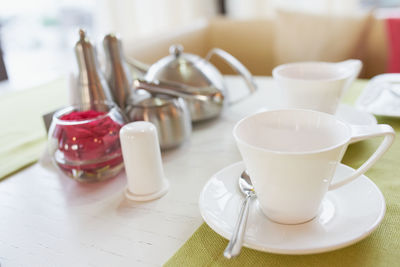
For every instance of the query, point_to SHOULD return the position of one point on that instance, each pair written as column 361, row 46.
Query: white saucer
column 381, row 96
column 347, row 215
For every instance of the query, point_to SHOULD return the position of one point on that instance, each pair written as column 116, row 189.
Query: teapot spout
column 171, row 89
column 138, row 66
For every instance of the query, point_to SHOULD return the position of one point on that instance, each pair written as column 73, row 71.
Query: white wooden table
column 47, row 219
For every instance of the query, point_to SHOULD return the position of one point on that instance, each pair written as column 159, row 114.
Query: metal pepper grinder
column 118, row 74
column 91, row 84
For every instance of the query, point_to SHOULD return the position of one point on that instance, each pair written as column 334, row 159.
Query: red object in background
column 393, row 33
column 85, row 145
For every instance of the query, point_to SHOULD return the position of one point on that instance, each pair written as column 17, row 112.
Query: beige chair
column 264, row 43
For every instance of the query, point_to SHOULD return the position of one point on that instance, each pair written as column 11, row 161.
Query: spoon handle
column 235, row 244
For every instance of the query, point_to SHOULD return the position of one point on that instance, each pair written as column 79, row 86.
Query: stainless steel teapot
column 194, row 78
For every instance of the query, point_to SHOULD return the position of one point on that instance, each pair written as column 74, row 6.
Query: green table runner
column 381, row 248
column 23, row 135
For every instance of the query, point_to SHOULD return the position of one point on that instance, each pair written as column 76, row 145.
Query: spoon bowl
column 245, row 184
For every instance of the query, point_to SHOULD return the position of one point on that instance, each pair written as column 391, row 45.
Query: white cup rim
column 276, row 72
column 309, row 152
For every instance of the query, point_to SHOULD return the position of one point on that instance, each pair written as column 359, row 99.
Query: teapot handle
column 236, row 65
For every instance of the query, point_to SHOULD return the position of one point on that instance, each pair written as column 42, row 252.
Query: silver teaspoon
column 235, row 244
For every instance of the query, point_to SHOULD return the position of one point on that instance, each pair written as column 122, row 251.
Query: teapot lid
column 185, row 68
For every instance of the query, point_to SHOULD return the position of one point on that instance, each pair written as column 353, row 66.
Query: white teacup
column 291, row 156
column 315, row 85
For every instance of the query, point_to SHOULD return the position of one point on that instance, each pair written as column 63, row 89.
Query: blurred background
column 37, row 37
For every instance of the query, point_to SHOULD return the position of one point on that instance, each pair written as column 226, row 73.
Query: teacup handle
column 360, row 133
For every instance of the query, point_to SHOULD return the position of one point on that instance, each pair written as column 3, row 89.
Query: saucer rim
column 316, row 250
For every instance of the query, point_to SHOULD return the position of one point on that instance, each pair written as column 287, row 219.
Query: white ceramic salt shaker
column 142, row 158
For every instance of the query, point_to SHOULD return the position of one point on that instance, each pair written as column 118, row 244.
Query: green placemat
column 23, row 135
column 381, row 248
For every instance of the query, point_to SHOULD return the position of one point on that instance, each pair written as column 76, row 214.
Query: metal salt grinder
column 117, row 73
column 91, row 85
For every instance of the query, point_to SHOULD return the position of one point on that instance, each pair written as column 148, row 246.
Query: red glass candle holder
column 84, row 141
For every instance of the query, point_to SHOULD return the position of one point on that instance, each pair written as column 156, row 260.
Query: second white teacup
column 291, row 156
column 315, row 85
